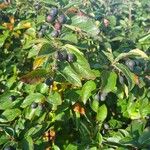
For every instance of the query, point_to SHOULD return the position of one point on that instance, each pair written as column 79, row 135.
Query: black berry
column 53, row 12
column 34, row 105
column 130, row 63
column 103, row 96
column 12, row 97
column 70, row 57
column 54, row 33
column 121, row 79
column 9, row 148
column 49, row 81
column 62, row 55
column 62, row 18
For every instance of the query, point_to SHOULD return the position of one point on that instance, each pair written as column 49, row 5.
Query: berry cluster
column 34, row 105
column 64, row 56
column 58, row 21
column 134, row 66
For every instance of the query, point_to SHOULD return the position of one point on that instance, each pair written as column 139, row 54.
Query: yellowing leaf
column 39, row 62
column 134, row 52
column 27, row 25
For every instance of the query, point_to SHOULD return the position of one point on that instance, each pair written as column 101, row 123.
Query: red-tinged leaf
column 34, row 76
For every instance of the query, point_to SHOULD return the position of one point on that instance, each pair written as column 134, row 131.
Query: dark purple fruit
column 49, row 81
column 34, row 105
column 62, row 55
column 49, row 18
column 62, row 18
column 130, row 63
column 54, row 12
column 137, row 70
column 70, row 57
column 57, row 26
column 12, row 97
column 9, row 148
column 41, row 106
column 121, row 79
column 54, row 33
column 103, row 96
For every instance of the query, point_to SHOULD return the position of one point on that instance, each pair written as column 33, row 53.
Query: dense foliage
column 75, row 74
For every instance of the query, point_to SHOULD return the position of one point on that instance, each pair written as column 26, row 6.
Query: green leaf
column 81, row 66
column 5, row 101
column 128, row 74
column 3, row 139
column 144, row 138
column 70, row 37
column 9, row 115
column 101, row 113
column 27, row 143
column 46, row 49
column 3, row 38
column 108, row 79
column 55, row 147
column 71, row 147
column 87, row 88
column 33, row 97
column 85, row 24
column 70, row 75
column 54, row 99
column 95, row 105
column 134, row 52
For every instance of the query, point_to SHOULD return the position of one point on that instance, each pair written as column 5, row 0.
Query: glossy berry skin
column 61, row 55
column 9, row 148
column 54, row 12
column 49, row 81
column 103, row 96
column 34, row 105
column 57, row 26
column 12, row 97
column 121, row 79
column 62, row 19
column 130, row 63
column 54, row 33
column 49, row 18
column 70, row 57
